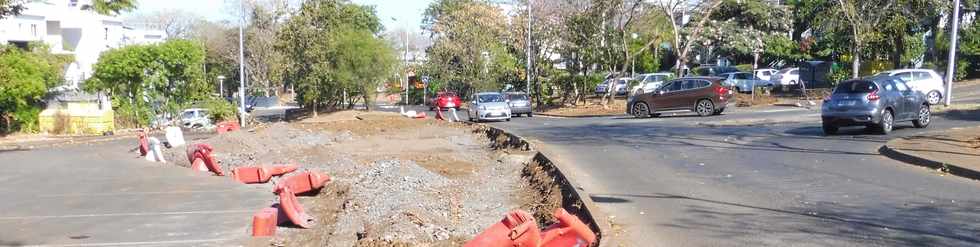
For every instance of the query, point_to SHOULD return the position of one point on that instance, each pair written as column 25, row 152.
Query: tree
column 178, row 24
column 105, row 7
column 362, row 61
column 147, row 79
column 469, row 50
column 25, row 76
column 675, row 9
column 265, row 66
column 309, row 41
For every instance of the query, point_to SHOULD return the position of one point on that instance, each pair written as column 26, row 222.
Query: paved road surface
column 102, row 195
column 673, row 182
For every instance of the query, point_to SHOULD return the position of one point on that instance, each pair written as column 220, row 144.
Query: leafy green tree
column 363, row 61
column 148, row 79
column 310, row 42
column 105, row 7
column 24, row 79
column 469, row 50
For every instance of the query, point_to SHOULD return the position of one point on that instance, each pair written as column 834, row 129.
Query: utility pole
column 528, row 48
column 950, row 67
column 241, row 63
column 405, row 60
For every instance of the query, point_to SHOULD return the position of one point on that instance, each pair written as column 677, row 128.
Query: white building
column 71, row 27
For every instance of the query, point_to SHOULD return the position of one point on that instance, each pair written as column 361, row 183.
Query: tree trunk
column 856, row 64
column 899, row 42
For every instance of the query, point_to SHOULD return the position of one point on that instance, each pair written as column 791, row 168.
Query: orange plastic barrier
column 293, row 210
column 518, row 228
column 420, row 115
column 569, row 231
column 144, row 144
column 303, row 182
column 200, row 154
column 264, row 222
column 228, row 126
column 262, row 174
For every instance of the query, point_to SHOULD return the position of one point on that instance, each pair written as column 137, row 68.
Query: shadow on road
column 911, row 224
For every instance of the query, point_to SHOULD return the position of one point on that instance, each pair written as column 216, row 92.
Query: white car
column 489, row 106
column 195, row 118
column 744, row 82
column 786, row 77
column 926, row 81
column 765, row 74
column 650, row 82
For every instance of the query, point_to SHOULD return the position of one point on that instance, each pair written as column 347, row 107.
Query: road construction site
column 388, row 180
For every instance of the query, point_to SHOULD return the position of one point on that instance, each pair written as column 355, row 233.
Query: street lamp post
column 241, row 63
column 221, row 86
column 950, row 67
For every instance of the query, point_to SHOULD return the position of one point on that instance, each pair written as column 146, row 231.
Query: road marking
column 784, row 110
column 172, row 242
column 138, row 193
column 126, row 214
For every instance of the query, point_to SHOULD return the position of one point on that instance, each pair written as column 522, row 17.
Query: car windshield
column 855, row 87
column 784, row 71
column 187, row 115
column 487, row 98
column 518, row 96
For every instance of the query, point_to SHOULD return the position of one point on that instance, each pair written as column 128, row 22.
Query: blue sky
column 408, row 13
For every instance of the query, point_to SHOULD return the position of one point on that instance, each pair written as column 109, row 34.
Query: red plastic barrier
column 303, row 182
column 569, row 231
column 264, row 222
column 518, row 228
column 228, row 126
column 262, row 174
column 293, row 210
column 202, row 152
column 143, row 143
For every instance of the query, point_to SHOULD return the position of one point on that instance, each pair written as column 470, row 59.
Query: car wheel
column 641, row 110
column 704, row 108
column 529, row 114
column 508, row 119
column 934, row 97
column 738, row 89
column 829, row 129
column 925, row 117
column 887, row 122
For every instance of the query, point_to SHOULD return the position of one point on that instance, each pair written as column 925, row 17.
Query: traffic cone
column 518, row 228
column 303, row 182
column 569, row 231
column 264, row 222
column 289, row 204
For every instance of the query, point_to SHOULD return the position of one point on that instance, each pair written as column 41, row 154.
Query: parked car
column 704, row 95
column 926, row 81
column 621, row 86
column 195, row 118
column 713, row 70
column 650, row 82
column 786, row 77
column 876, row 102
column 489, row 106
column 445, row 100
column 765, row 74
column 520, row 103
column 744, row 82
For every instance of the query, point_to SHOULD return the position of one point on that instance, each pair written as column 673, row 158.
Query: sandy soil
column 397, row 181
column 591, row 107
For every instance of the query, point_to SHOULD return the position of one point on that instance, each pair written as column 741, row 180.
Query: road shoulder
column 955, row 151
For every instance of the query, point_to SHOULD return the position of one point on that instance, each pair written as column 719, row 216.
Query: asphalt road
column 103, row 195
column 674, row 181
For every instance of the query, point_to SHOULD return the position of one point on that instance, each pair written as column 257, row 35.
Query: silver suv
column 876, row 102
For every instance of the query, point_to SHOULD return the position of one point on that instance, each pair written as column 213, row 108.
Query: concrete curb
column 583, row 116
column 597, row 219
column 903, row 156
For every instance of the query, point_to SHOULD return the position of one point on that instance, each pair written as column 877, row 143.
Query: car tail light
column 721, row 90
column 873, row 95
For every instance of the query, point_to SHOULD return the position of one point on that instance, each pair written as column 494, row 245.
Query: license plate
column 846, row 102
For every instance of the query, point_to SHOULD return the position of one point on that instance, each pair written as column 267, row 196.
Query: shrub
column 219, row 109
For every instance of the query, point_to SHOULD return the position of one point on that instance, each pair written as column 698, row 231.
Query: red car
column 445, row 100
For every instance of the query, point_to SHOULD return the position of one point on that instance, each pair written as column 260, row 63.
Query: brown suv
column 703, row 95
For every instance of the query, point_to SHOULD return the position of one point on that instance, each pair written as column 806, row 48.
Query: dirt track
column 396, row 181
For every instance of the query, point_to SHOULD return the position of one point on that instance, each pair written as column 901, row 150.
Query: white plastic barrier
column 155, row 154
column 175, row 136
